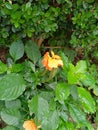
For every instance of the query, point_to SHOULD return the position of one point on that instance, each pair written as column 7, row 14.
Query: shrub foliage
column 65, row 96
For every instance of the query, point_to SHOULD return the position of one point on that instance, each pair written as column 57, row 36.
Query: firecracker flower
column 30, row 125
column 50, row 62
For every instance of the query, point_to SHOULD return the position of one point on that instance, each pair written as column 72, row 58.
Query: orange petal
column 29, row 125
column 45, row 59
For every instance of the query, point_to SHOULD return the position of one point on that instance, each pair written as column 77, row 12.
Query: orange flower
column 30, row 125
column 53, row 61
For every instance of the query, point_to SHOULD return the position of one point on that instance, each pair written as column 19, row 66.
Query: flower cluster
column 50, row 62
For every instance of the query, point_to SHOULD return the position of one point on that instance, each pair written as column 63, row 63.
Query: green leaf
column 2, row 105
column 10, row 128
column 17, row 50
column 62, row 92
column 77, row 115
column 3, row 67
column 13, row 104
column 66, row 125
column 89, row 126
column 8, row 5
column 17, row 68
column 11, row 86
column 47, row 29
column 73, row 92
column 86, row 100
column 81, row 67
column 32, row 66
column 63, row 115
column 39, row 106
column 52, row 119
column 89, row 80
column 32, row 51
column 72, row 77
column 69, row 126
column 65, row 63
column 11, row 116
column 89, row 1
column 76, row 73
column 95, row 90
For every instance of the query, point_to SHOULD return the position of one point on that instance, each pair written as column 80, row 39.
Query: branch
column 40, row 40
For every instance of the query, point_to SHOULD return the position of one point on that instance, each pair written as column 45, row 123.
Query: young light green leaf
column 95, row 90
column 11, row 86
column 17, row 49
column 81, row 67
column 62, row 92
column 69, row 126
column 72, row 77
column 17, row 68
column 76, row 73
column 86, row 100
column 3, row 67
column 32, row 51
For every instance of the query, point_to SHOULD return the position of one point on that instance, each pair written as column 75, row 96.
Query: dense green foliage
column 64, row 98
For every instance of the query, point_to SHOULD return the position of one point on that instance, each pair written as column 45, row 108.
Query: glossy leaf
column 53, row 119
column 89, row 80
column 13, row 104
column 11, row 116
column 77, row 115
column 81, row 67
column 32, row 51
column 86, row 100
column 39, row 106
column 62, row 91
column 17, row 50
column 10, row 128
column 11, row 86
